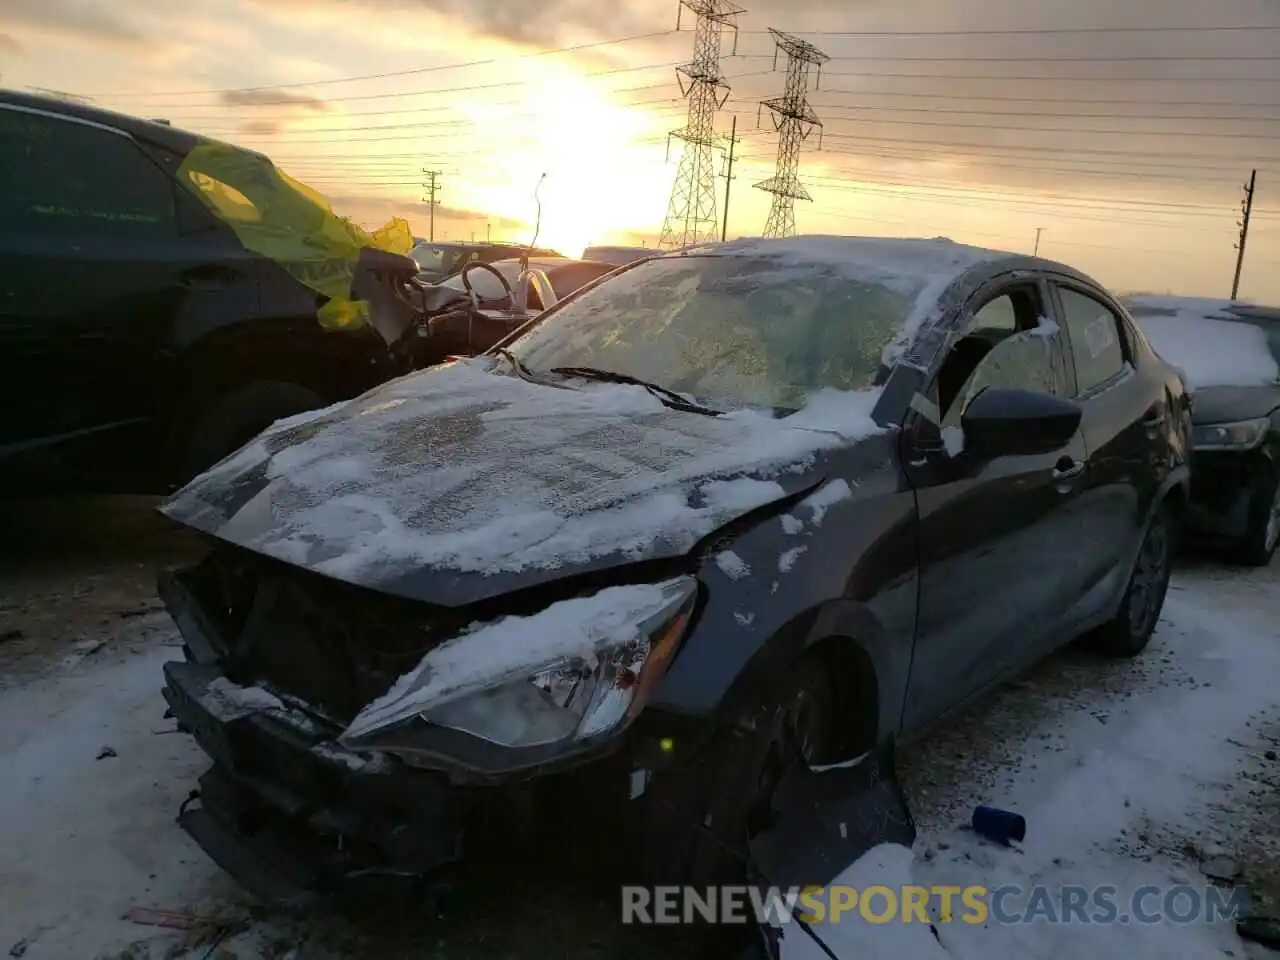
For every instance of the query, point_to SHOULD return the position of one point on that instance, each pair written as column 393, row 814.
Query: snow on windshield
column 764, row 322
column 462, row 468
column 1212, row 347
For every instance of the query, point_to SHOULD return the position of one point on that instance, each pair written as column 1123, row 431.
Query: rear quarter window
column 64, row 178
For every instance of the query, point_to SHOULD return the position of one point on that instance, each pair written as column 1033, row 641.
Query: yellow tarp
column 292, row 224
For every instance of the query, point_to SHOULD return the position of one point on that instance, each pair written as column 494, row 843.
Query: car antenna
column 521, row 301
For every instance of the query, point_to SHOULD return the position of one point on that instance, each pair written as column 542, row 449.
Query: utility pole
column 691, row 212
column 432, row 188
column 488, row 232
column 1247, row 207
column 1036, row 251
column 794, row 119
column 728, row 176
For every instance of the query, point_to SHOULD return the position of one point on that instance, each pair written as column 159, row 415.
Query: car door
column 995, row 535
column 1123, row 425
column 85, row 220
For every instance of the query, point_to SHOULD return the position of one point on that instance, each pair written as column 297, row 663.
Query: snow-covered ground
column 1121, row 769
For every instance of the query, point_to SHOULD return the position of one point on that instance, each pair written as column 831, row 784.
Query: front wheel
column 236, row 418
column 733, row 802
column 1259, row 544
column 1129, row 632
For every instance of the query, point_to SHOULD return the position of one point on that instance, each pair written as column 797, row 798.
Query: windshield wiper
column 523, row 372
column 669, row 397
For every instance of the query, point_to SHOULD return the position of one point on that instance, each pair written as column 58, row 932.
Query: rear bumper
column 294, row 818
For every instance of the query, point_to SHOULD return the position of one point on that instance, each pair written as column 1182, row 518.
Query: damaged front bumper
column 293, row 817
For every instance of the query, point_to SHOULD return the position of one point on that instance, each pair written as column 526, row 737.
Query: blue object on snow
column 1000, row 826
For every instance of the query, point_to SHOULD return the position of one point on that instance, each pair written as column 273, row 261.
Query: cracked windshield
column 636, row 480
column 742, row 330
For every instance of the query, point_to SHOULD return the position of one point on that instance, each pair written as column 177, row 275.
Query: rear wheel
column 1130, row 631
column 1260, row 542
column 237, row 417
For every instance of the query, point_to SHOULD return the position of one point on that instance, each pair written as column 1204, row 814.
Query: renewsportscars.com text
column 1176, row 904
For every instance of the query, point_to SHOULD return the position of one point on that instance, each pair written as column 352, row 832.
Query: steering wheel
column 489, row 268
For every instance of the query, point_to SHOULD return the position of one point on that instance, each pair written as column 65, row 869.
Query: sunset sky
column 1126, row 136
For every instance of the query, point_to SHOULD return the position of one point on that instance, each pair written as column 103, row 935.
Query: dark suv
column 140, row 341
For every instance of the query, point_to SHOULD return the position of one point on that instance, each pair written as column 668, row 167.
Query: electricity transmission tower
column 794, row 120
column 691, row 214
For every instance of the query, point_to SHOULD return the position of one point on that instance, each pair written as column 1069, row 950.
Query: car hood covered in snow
column 1231, row 404
column 457, row 484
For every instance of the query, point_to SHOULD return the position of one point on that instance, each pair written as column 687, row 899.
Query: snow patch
column 827, row 497
column 229, row 701
column 953, row 441
column 788, row 560
column 791, row 524
column 733, row 566
column 463, row 469
column 744, row 619
column 515, row 647
column 1045, row 328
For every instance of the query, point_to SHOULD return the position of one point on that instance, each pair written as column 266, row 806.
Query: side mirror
column 1018, row 423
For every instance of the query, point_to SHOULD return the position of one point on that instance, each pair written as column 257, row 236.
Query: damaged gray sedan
column 730, row 512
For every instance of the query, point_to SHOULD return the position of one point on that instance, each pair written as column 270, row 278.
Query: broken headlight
column 523, row 690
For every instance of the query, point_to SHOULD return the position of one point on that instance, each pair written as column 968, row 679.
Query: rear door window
column 64, row 178
column 1098, row 342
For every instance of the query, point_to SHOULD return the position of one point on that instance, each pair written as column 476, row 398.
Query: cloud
column 261, row 128
column 82, row 21
column 273, row 98
column 453, row 222
column 551, row 22
column 11, row 46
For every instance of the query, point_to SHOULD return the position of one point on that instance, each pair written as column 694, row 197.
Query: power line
column 1054, row 151
column 398, row 73
column 862, row 108
column 422, row 92
column 344, row 128
column 1030, row 168
column 1141, row 101
column 1022, row 128
column 1159, row 58
column 1030, row 31
column 869, row 74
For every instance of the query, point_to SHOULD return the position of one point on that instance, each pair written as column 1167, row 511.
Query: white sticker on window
column 1100, row 335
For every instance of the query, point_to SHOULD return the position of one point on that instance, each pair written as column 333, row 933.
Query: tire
column 1130, row 631
column 1259, row 544
column 733, row 794
column 235, row 418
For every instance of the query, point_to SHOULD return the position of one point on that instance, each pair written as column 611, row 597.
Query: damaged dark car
column 1230, row 354
column 719, row 515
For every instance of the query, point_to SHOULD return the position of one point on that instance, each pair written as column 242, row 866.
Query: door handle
column 207, row 278
column 1068, row 469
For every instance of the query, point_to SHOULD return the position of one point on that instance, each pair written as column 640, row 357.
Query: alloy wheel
column 1146, row 592
column 1272, row 535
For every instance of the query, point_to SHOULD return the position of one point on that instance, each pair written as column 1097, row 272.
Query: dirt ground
column 77, row 572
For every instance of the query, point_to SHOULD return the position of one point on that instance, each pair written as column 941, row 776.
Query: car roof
column 172, row 138
column 887, row 260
